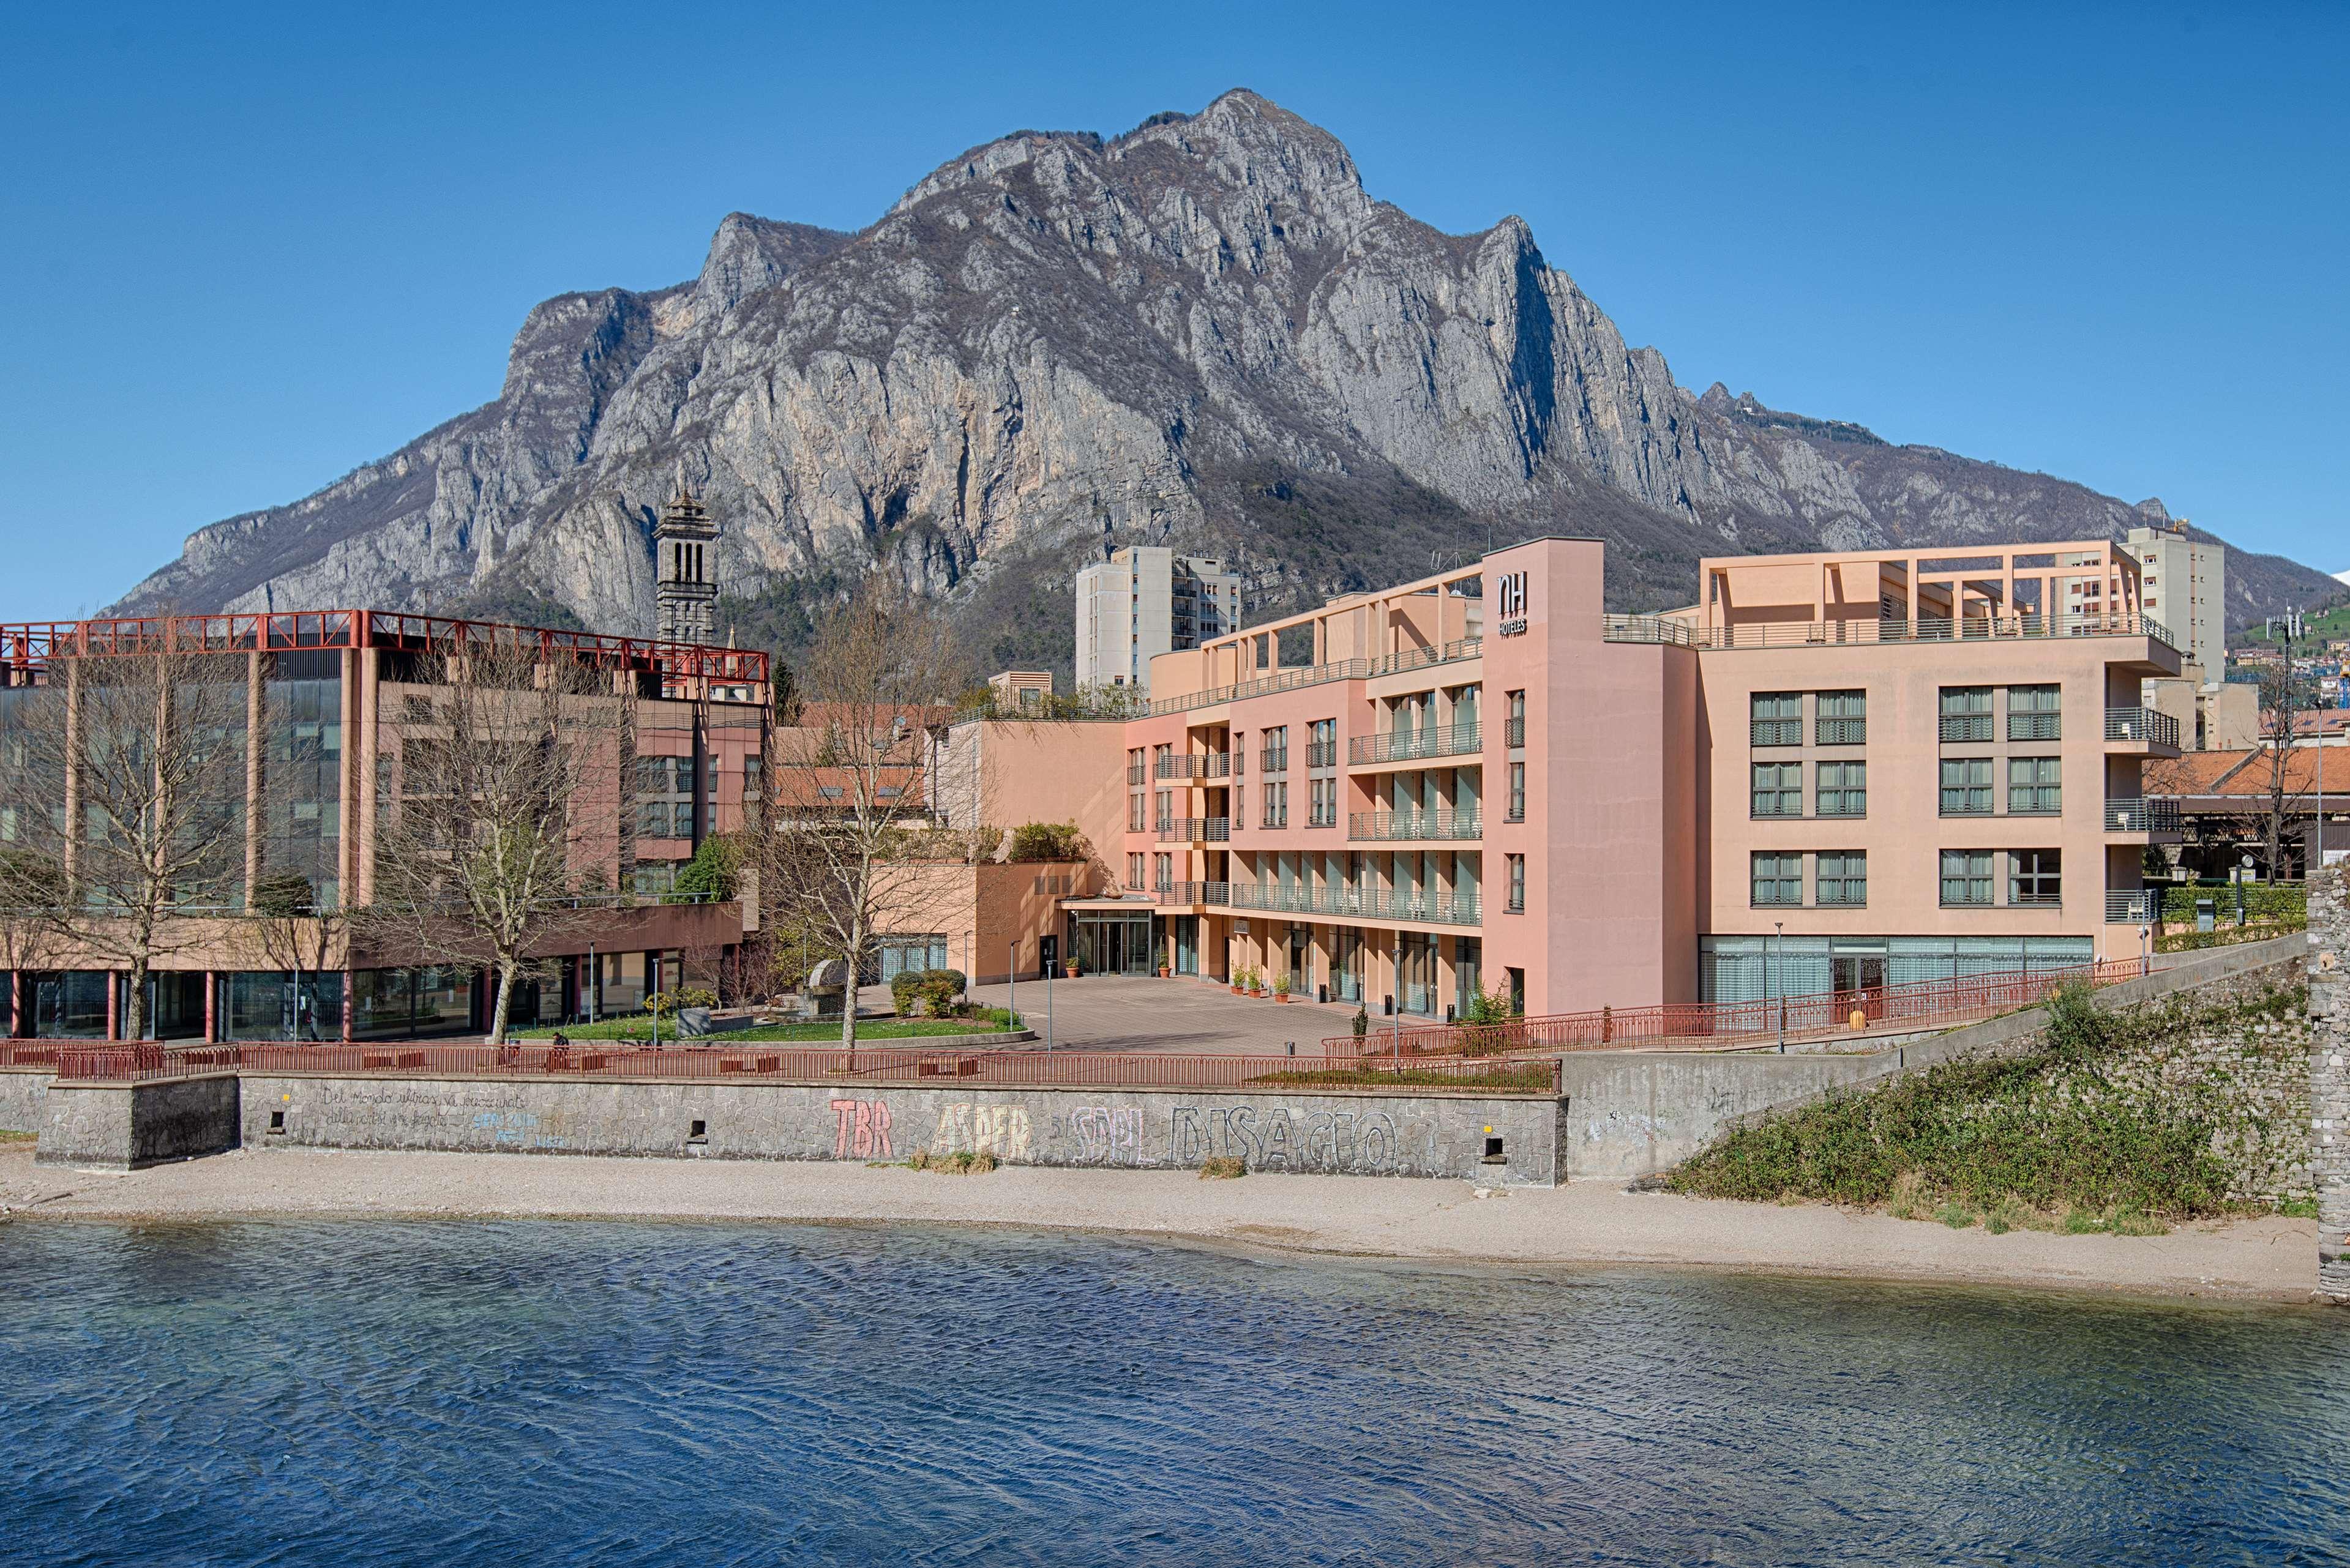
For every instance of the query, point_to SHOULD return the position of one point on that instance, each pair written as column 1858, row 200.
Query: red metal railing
column 885, row 1065
column 29, row 645
column 1929, row 1002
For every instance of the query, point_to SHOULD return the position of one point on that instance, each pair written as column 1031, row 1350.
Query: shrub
column 1222, row 1167
column 1048, row 841
column 711, row 872
column 1362, row 1020
column 662, row 1004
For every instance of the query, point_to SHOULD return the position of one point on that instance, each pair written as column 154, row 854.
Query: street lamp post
column 2145, row 939
column 1011, row 980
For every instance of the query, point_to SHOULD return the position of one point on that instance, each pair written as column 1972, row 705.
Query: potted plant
column 1281, row 988
column 1070, row 968
column 1162, row 972
column 1239, row 979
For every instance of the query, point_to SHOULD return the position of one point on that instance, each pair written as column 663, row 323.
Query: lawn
column 639, row 1027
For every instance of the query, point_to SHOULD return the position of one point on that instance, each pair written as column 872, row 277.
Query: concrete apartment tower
column 685, row 595
column 2186, row 589
column 1144, row 601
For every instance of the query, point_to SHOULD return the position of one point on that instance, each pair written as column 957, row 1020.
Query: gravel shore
column 1585, row 1224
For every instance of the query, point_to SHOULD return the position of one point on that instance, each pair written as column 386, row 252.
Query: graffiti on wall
column 1002, row 1131
column 516, row 1129
column 1282, row 1139
column 861, row 1129
column 1104, row 1135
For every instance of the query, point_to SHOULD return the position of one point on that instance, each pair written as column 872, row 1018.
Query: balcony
column 1194, row 829
column 1414, row 745
column 1319, row 674
column 2152, row 815
column 1273, row 759
column 1208, row 893
column 2131, row 906
column 2035, row 726
column 1349, row 903
column 2144, row 726
column 1196, row 765
column 1514, row 733
column 1322, row 753
column 2033, row 898
column 1385, row 827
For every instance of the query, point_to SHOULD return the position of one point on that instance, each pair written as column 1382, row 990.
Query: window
column 2032, row 712
column 1134, row 871
column 1163, row 758
column 1966, row 786
column 1965, row 877
column 1134, row 809
column 1517, row 733
column 1778, row 789
column 653, row 819
column 1843, row 719
column 1966, row 714
column 1134, row 769
column 1778, row 718
column 1517, row 869
column 1843, row 879
column 1276, row 749
column 1322, row 802
column 2033, row 788
column 1843, row 789
column 1322, row 744
column 1517, row 792
column 754, row 776
column 652, row 776
column 1778, row 879
column 1163, row 868
column 2036, row 878
column 1166, row 799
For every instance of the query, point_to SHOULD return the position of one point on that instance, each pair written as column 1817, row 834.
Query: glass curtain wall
column 302, row 766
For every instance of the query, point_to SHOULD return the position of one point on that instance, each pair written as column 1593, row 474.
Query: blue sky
column 249, row 248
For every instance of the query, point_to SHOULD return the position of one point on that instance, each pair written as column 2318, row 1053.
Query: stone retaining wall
column 22, row 1091
column 128, row 1126
column 2329, row 1078
column 1341, row 1133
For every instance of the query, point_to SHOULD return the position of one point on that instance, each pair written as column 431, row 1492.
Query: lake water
column 460, row 1394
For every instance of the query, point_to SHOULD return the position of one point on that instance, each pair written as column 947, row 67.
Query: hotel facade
column 1833, row 772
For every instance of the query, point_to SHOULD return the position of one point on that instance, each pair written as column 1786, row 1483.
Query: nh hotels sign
column 1512, row 606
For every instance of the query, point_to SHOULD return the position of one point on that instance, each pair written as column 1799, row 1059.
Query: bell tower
column 685, row 594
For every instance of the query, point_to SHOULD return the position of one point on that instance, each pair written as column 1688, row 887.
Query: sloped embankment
column 2197, row 1105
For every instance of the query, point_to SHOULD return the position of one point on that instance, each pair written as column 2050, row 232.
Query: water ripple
column 641, row 1394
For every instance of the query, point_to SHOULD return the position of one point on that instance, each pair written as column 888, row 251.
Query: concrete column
column 212, row 1005
column 16, row 1020
column 253, row 813
column 348, row 992
column 113, row 1005
column 2329, row 1077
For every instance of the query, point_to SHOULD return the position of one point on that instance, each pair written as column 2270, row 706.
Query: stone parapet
column 128, row 1126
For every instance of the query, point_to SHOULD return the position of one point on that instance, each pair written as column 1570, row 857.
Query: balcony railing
column 1273, row 759
column 1320, row 674
column 1210, row 893
column 1322, row 753
column 2144, row 724
column 1196, row 765
column 1194, row 829
column 2035, row 726
column 1775, row 732
column 1841, row 633
column 2032, row 898
column 1297, row 899
column 1840, row 732
column 1381, row 826
column 2130, row 905
column 1414, row 745
column 1965, row 729
column 2153, row 815
column 1514, row 733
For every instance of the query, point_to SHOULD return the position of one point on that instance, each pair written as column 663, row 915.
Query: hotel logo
column 1512, row 593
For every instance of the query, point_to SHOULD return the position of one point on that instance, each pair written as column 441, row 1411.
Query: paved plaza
column 1133, row 1012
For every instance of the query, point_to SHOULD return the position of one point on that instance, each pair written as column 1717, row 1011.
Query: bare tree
column 499, row 807
column 135, row 761
column 2280, row 730
column 845, row 812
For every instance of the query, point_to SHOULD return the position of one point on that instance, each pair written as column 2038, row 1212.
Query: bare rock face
column 1201, row 332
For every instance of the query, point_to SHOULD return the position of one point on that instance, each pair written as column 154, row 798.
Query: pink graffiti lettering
column 862, row 1127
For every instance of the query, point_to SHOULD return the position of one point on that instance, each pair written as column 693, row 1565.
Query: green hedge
column 2261, row 901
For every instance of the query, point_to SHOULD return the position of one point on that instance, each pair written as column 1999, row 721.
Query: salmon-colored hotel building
column 1832, row 771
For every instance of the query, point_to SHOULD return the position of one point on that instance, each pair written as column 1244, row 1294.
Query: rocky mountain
column 1202, row 332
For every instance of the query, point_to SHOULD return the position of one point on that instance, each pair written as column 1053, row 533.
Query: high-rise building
column 2186, row 589
column 1144, row 601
